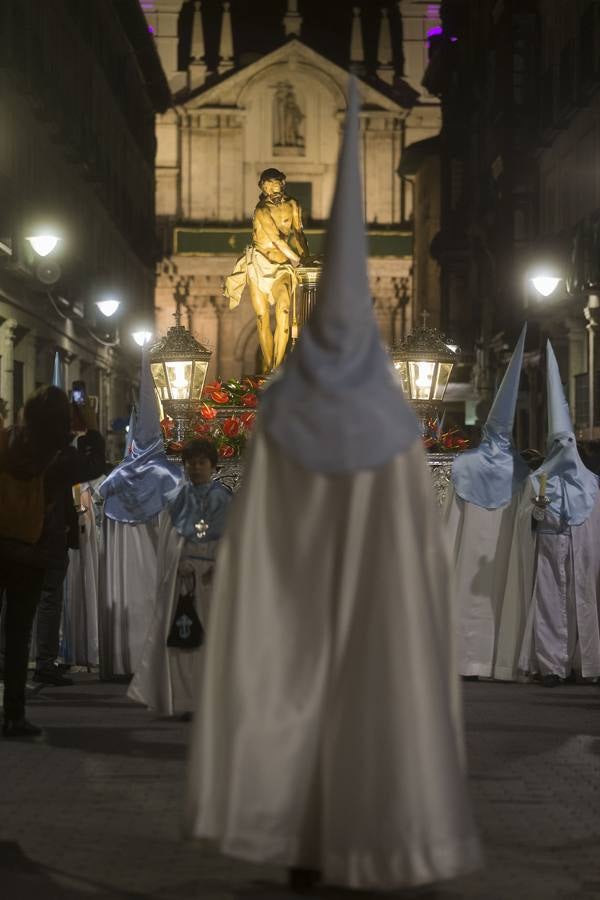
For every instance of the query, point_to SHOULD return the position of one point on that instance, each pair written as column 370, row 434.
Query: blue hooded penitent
column 337, row 406
column 137, row 489
column 491, row 474
column 571, row 488
column 129, row 432
column 57, row 375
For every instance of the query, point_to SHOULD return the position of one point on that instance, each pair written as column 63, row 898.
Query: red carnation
column 226, row 451
column 231, row 427
column 249, row 400
column 167, row 426
column 202, row 429
column 219, row 396
column 247, row 419
column 207, row 412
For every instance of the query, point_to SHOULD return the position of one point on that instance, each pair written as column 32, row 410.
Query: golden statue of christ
column 268, row 265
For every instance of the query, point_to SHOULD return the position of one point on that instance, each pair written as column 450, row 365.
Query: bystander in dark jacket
column 37, row 470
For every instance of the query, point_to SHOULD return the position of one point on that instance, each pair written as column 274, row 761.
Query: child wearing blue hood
column 190, row 528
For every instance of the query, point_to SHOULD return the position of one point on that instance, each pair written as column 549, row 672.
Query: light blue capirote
column 337, row 406
column 130, row 432
column 57, row 372
column 137, row 489
column 493, row 472
column 571, row 488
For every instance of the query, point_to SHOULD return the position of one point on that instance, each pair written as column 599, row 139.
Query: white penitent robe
column 165, row 676
column 80, row 618
column 127, row 592
column 328, row 734
column 480, row 541
column 562, row 630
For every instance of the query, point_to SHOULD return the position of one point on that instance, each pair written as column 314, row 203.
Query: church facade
column 284, row 109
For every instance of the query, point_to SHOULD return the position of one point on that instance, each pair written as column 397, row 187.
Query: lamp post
column 424, row 363
column 179, row 363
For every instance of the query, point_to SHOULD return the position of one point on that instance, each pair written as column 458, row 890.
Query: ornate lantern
column 424, row 362
column 179, row 363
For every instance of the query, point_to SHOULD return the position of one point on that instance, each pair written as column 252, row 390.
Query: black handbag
column 186, row 631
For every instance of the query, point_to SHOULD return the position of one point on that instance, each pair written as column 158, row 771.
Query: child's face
column 199, row 469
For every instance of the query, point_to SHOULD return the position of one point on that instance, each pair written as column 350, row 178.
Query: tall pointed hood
column 559, row 417
column 490, row 475
column 336, row 406
column 137, row 489
column 570, row 487
column 130, row 432
column 57, row 373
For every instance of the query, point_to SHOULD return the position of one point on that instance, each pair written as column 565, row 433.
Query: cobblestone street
column 93, row 810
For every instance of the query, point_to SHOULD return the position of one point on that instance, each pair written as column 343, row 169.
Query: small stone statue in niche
column 288, row 118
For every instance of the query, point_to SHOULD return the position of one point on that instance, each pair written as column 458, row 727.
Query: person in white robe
column 135, row 493
column 190, row 528
column 480, row 513
column 79, row 645
column 328, row 736
column 550, row 624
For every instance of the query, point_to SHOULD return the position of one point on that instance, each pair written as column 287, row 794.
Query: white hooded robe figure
column 480, row 513
column 80, row 615
column 328, row 734
column 164, row 676
column 550, row 615
column 135, row 493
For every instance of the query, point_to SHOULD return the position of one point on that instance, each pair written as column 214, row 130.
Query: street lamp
column 545, row 283
column 424, row 362
column 141, row 337
column 108, row 307
column 43, row 243
column 179, row 363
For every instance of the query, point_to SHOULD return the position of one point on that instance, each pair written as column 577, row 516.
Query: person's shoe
column 303, row 879
column 51, row 675
column 550, row 681
column 20, row 728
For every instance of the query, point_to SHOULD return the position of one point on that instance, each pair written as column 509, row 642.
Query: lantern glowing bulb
column 180, row 379
column 43, row 244
column 108, row 307
column 425, row 376
column 545, row 284
column 141, row 337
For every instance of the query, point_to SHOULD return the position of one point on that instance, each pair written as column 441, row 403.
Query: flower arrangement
column 230, row 433
column 437, row 440
column 233, row 392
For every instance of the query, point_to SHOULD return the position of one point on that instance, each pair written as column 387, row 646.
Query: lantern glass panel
column 160, row 380
column 443, row 376
column 401, row 370
column 179, row 375
column 421, row 376
column 199, row 378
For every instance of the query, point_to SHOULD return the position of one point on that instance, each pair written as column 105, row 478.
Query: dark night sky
column 257, row 27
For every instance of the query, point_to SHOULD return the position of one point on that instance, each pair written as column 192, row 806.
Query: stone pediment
column 294, row 60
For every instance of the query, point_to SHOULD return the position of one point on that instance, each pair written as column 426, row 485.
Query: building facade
column 238, row 112
column 519, row 85
column 81, row 84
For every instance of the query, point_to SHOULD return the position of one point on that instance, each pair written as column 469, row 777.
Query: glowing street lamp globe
column 108, row 307
column 545, row 284
column 141, row 337
column 179, row 363
column 44, row 243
